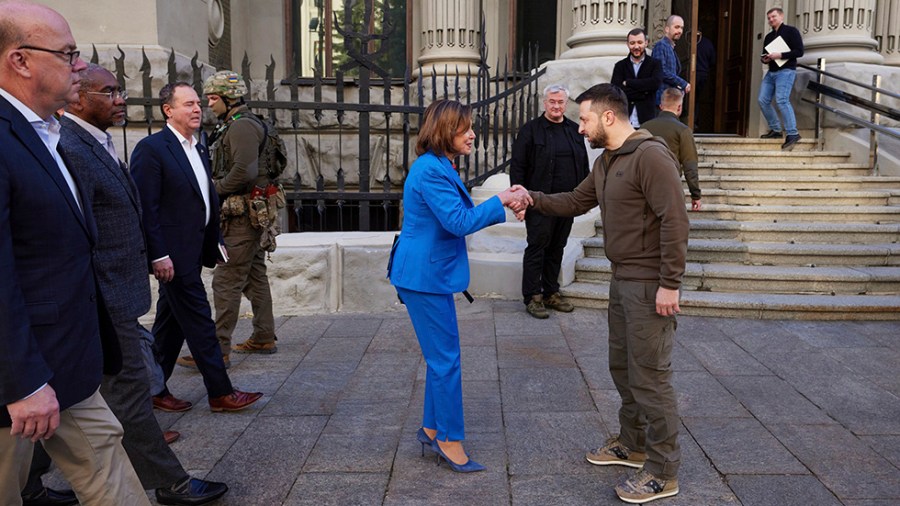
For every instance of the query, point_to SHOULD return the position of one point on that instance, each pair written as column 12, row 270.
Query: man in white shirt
column 181, row 222
column 54, row 340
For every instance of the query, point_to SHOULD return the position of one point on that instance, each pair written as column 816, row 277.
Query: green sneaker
column 556, row 302
column 536, row 308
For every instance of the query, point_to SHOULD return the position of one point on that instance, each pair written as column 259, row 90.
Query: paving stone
column 683, row 359
column 886, row 446
column 476, row 332
column 595, row 369
column 310, row 390
column 843, row 463
column 372, row 453
column 871, row 363
column 299, row 327
column 353, row 327
column 742, row 446
column 830, row 334
column 338, row 489
column 361, row 418
column 772, row 400
column 700, row 394
column 548, row 390
column 551, row 443
column 697, row 328
column 722, row 357
column 523, row 324
column 698, row 481
column 608, row 403
column 541, row 490
column 395, row 335
column 533, row 353
column 766, row 490
column 277, row 448
column 338, row 350
column 887, row 333
column 479, row 363
column 859, row 404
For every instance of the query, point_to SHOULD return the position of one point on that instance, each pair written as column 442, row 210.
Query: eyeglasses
column 112, row 94
column 71, row 55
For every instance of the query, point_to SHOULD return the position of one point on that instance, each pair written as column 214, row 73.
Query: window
column 315, row 37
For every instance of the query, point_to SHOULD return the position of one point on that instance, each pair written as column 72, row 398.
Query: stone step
column 724, row 277
column 740, row 143
column 793, row 214
column 772, row 253
column 776, row 169
column 839, row 183
column 806, row 233
column 798, row 197
column 782, row 158
column 768, row 306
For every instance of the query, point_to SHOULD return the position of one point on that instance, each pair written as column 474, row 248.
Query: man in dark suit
column 639, row 77
column 54, row 353
column 181, row 222
column 122, row 274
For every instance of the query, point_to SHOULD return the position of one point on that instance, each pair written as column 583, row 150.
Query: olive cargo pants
column 243, row 274
column 640, row 352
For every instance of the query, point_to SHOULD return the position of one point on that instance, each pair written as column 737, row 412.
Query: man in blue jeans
column 779, row 80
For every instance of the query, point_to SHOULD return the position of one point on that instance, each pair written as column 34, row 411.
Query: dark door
column 536, row 27
column 734, row 51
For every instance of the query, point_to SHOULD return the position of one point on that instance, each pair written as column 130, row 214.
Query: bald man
column 54, row 353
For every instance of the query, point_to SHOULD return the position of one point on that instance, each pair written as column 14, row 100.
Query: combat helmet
column 225, row 83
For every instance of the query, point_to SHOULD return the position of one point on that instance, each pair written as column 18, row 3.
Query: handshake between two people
column 517, row 199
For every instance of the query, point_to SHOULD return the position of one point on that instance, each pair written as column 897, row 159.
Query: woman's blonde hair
column 442, row 121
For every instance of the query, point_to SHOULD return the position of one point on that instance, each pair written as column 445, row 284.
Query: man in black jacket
column 639, row 77
column 779, row 80
column 549, row 156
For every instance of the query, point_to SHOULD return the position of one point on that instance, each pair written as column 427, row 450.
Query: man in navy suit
column 50, row 308
column 122, row 275
column 639, row 76
column 181, row 222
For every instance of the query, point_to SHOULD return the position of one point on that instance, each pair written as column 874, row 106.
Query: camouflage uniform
column 235, row 154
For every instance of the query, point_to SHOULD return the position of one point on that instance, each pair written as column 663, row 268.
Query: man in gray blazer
column 121, row 263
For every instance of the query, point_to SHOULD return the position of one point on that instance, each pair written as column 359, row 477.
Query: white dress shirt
column 190, row 149
column 104, row 138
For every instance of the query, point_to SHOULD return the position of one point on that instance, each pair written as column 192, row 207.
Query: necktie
column 110, row 147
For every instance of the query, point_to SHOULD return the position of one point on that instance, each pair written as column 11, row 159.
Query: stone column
column 600, row 27
column 839, row 30
column 451, row 36
column 887, row 31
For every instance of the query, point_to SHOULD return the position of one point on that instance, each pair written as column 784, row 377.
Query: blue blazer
column 49, row 328
column 438, row 213
column 173, row 207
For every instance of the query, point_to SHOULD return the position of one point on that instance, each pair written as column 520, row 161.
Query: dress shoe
column 170, row 403
column 189, row 362
column 771, row 134
column 235, row 401
column 171, row 436
column 469, row 467
column 423, row 438
column 251, row 346
column 789, row 142
column 50, row 497
column 191, row 491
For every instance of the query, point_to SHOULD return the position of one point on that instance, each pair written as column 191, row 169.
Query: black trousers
column 547, row 236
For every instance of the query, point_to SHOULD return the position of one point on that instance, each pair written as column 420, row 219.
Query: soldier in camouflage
column 239, row 177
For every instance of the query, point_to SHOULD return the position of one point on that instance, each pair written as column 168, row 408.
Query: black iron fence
column 351, row 140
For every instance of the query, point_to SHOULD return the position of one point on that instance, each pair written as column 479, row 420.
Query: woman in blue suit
column 429, row 264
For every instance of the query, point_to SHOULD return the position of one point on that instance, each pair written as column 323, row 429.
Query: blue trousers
column 434, row 320
column 778, row 85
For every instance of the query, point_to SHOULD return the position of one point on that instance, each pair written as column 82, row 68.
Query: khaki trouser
column 245, row 273
column 87, row 448
column 640, row 353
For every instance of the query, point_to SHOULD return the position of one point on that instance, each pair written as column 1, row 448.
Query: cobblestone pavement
column 773, row 412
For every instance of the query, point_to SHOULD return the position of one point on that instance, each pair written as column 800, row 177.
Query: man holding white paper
column 781, row 48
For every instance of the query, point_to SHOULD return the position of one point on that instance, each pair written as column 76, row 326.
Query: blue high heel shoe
column 469, row 467
column 423, row 438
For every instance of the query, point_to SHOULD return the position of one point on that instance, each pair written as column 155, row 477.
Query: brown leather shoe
column 235, row 401
column 170, row 403
column 251, row 346
column 171, row 436
column 189, row 362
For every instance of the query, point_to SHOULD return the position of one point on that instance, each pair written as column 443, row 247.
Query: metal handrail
column 851, row 81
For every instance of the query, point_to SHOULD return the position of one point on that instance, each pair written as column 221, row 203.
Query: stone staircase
column 804, row 234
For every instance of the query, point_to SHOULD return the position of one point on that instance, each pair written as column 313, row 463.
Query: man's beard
column 598, row 140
